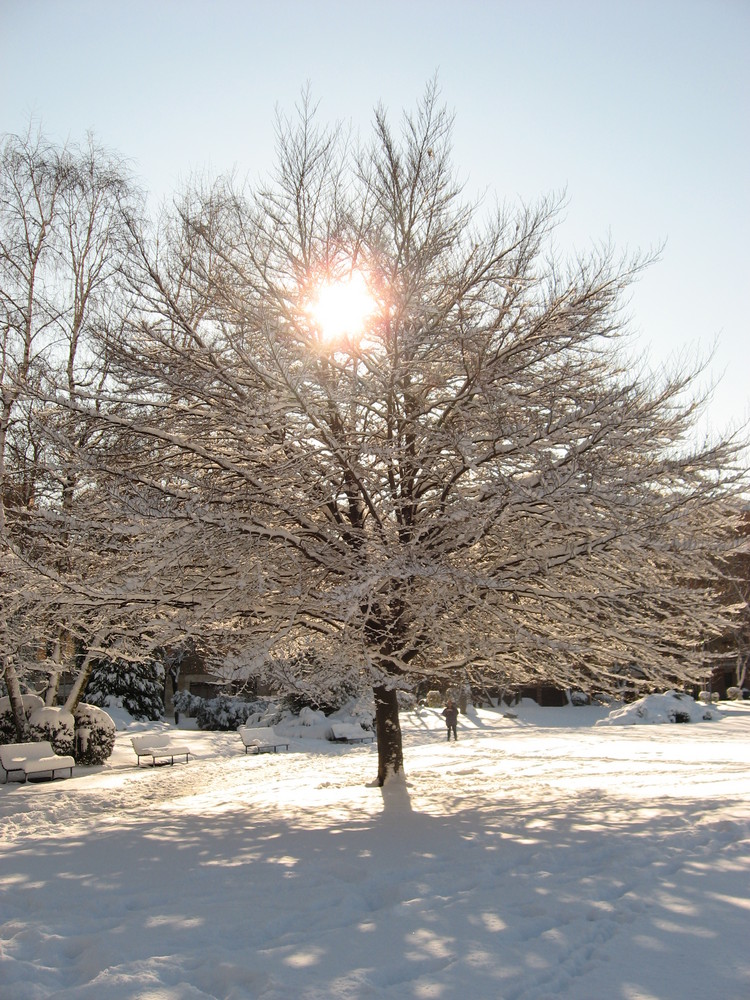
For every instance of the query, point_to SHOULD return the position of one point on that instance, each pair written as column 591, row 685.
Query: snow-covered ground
column 542, row 856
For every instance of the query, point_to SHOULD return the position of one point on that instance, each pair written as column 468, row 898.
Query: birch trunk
column 82, row 679
column 16, row 699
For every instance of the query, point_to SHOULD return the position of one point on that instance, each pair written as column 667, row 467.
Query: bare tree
column 30, row 185
column 62, row 239
column 481, row 483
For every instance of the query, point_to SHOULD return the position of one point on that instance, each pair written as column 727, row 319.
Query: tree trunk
column 84, row 672
column 50, row 695
column 742, row 670
column 388, row 730
column 16, row 700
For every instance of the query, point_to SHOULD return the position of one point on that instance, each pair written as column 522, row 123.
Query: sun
column 342, row 308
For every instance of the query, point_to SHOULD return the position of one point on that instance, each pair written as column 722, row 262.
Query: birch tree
column 61, row 245
column 30, row 185
column 471, row 478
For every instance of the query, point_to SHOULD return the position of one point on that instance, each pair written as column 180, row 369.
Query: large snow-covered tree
column 470, row 479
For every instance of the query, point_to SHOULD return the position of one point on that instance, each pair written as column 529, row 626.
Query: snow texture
column 540, row 856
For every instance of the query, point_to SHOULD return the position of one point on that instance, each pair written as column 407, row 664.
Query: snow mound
column 654, row 709
column 119, row 715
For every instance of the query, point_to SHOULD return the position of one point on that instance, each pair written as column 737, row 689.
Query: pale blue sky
column 640, row 109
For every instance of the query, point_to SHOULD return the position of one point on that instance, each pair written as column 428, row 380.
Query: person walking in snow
column 451, row 718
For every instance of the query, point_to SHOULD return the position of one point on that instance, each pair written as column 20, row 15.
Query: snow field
column 539, row 857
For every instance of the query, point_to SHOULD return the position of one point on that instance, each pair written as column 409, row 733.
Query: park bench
column 34, row 758
column 348, row 732
column 160, row 749
column 261, row 740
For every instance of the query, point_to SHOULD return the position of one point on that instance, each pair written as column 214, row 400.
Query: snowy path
column 529, row 862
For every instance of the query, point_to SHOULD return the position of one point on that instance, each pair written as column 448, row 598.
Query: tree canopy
column 470, row 479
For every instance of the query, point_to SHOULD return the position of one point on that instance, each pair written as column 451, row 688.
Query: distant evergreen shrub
column 407, row 700
column 579, row 698
column 328, row 702
column 187, row 703
column 708, row 697
column 222, row 713
column 139, row 687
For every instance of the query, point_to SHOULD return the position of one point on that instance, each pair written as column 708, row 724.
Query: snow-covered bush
column 673, row 706
column 361, row 710
column 579, row 698
column 434, row 699
column 95, row 734
column 55, row 725
column 186, row 703
column 328, row 702
column 708, row 696
column 222, row 713
column 309, row 724
column 31, row 702
column 265, row 713
column 138, row 687
column 734, row 693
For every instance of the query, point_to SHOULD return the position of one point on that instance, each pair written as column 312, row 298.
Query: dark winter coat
column 451, row 715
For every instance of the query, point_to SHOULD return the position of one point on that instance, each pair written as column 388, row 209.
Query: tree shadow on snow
column 338, row 897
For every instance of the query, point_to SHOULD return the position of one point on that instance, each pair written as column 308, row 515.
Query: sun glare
column 341, row 308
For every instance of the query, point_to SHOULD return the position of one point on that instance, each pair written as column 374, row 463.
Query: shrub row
column 88, row 734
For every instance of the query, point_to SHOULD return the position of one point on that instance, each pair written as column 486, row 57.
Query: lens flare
column 341, row 309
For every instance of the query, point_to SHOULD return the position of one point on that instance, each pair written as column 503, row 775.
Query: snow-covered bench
column 159, row 748
column 349, row 732
column 261, row 740
column 34, row 758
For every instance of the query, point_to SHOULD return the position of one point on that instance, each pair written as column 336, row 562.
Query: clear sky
column 638, row 109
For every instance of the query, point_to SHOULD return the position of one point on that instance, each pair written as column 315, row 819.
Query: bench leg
column 60, row 770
